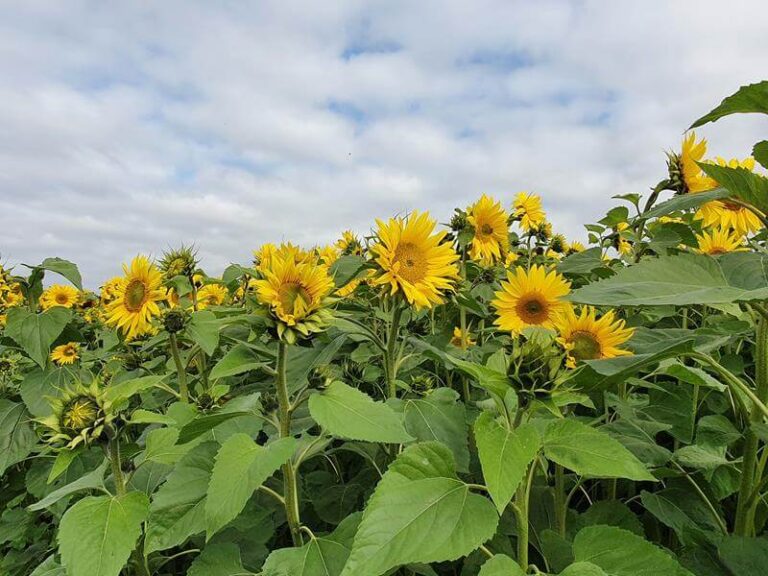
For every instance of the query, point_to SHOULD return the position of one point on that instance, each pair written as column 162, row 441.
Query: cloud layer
column 131, row 127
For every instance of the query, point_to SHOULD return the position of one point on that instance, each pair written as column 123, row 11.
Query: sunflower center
column 486, row 229
column 585, row 346
column 61, row 298
column 413, row 262
column 70, row 351
column 292, row 292
column 80, row 413
column 135, row 295
column 533, row 309
column 732, row 207
column 714, row 251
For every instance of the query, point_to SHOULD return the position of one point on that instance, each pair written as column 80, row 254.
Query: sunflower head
column 489, row 221
column 296, row 294
column 136, row 300
column 725, row 214
column 720, row 241
column 81, row 415
column 535, row 364
column 179, row 262
column 558, row 244
column 584, row 336
column 349, row 244
column 67, row 353
column 175, row 320
column 685, row 173
column 461, row 338
column 530, row 298
column 413, row 260
column 575, row 247
column 59, row 295
column 211, row 295
column 527, row 210
column 423, row 383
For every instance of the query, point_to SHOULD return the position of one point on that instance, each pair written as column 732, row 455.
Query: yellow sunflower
column 511, row 258
column 725, row 214
column 694, row 178
column 11, row 296
column 110, row 289
column 530, row 298
column 623, row 246
column 349, row 244
column 586, row 337
column 576, row 247
column 719, row 241
column 59, row 295
column 413, row 259
column 460, row 342
column 296, row 294
column 138, row 293
column 66, row 353
column 211, row 295
column 263, row 257
column 491, row 239
column 527, row 208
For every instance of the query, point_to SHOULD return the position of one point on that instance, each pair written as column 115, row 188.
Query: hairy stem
column 180, row 370
column 390, row 357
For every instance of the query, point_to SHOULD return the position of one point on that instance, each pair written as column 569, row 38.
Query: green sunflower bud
column 175, row 320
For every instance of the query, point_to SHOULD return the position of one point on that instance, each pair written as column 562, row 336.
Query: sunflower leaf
column 35, row 333
column 750, row 98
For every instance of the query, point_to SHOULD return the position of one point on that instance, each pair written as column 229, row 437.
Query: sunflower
column 296, row 294
column 461, row 339
column 491, row 235
column 110, row 289
column 622, row 245
column 66, row 353
column 719, row 241
column 413, row 259
column 12, row 295
column 262, row 258
column 511, row 258
column 725, row 214
column 576, row 247
column 349, row 244
column 530, row 298
column 211, row 295
column 586, row 337
column 59, row 295
column 137, row 296
column 693, row 177
column 527, row 208
column 81, row 415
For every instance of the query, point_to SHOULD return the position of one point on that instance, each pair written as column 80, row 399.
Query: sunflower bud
column 558, row 244
column 459, row 221
column 175, row 320
column 675, row 169
column 179, row 262
column 535, row 365
column 422, row 383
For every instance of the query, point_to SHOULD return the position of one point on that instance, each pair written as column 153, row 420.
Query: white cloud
column 137, row 126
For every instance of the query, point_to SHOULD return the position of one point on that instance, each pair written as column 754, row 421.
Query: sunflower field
column 480, row 397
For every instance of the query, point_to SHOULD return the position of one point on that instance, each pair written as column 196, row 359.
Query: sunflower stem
column 390, row 359
column 520, row 508
column 180, row 370
column 117, row 470
column 290, row 474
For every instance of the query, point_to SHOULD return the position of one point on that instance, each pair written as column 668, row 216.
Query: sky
column 131, row 127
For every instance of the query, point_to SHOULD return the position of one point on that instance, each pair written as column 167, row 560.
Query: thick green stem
column 117, row 470
column 561, row 505
column 520, row 508
column 745, row 508
column 391, row 359
column 180, row 370
column 290, row 474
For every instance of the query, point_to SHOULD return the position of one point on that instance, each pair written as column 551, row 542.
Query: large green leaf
column 178, row 507
column 124, row 390
column 241, row 467
column 504, row 456
column 760, row 152
column 349, row 413
column 621, row 553
column 744, row 556
column 36, row 332
column 240, row 358
column 442, row 417
column 741, row 183
column 501, row 565
column 219, row 559
column 49, row 567
column 203, row 329
column 97, row 534
column 583, row 569
column 63, row 267
column 17, row 439
column 91, row 481
column 420, row 512
column 590, row 452
column 682, row 510
column 685, row 202
column 749, row 98
column 682, row 280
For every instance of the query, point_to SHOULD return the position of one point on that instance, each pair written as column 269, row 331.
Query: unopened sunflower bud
column 175, row 320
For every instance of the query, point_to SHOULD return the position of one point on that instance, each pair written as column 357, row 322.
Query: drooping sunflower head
column 67, row 353
column 179, row 262
column 349, row 244
column 490, row 222
column 528, row 211
column 59, row 295
column 211, row 295
column 296, row 294
column 530, row 298
column 719, row 241
column 136, row 302
column 414, row 260
column 81, row 415
column 587, row 337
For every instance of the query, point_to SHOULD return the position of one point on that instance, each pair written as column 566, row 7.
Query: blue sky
column 132, row 127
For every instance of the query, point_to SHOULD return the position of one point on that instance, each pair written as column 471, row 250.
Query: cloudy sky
column 134, row 126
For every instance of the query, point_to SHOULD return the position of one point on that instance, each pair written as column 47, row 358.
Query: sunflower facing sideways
column 66, row 353
column 491, row 237
column 137, row 297
column 296, row 294
column 720, row 241
column 587, row 337
column 530, row 298
column 527, row 209
column 211, row 295
column 413, row 259
column 693, row 177
column 727, row 214
column 59, row 295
